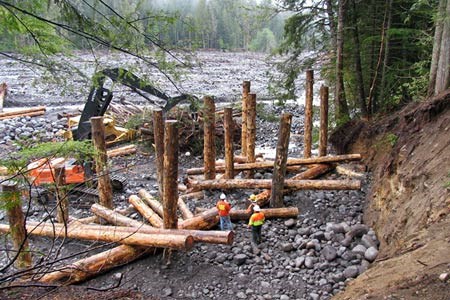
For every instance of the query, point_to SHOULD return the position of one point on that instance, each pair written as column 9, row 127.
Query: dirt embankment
column 409, row 207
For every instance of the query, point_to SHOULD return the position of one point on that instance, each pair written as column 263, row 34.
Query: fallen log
column 266, row 184
column 126, row 150
column 38, row 110
column 151, row 201
column 91, row 266
column 112, row 236
column 204, row 220
column 194, row 195
column 148, row 213
column 114, row 217
column 269, row 213
column 202, row 236
column 344, row 171
column 184, row 209
column 290, row 162
column 94, row 219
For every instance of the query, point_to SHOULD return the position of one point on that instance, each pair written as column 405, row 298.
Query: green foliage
column 80, row 150
column 392, row 139
column 9, row 200
column 265, row 41
column 447, row 184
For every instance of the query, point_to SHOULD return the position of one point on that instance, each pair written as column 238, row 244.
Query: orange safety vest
column 257, row 219
column 224, row 208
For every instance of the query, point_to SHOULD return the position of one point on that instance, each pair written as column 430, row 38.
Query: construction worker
column 256, row 222
column 224, row 213
column 253, row 202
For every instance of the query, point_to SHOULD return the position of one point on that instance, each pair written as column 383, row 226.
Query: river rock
column 371, row 254
column 351, row 272
column 239, row 259
column 329, row 253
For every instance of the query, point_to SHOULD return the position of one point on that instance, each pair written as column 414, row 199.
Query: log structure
column 62, row 203
column 121, row 151
column 32, row 112
column 279, row 168
column 209, row 145
column 86, row 268
column 170, row 184
column 184, row 209
column 267, row 183
column 245, row 92
column 152, row 202
column 204, row 220
column 13, row 204
column 146, row 211
column 290, row 162
column 229, row 152
column 110, row 234
column 269, row 213
column 158, row 135
column 308, row 113
column 104, row 186
column 251, row 132
column 3, row 93
column 114, row 217
column 323, row 134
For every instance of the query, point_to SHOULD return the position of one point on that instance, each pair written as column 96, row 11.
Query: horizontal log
column 28, row 114
column 126, row 238
column 195, row 195
column 126, row 150
column 269, row 213
column 204, row 220
column 114, row 217
column 200, row 236
column 267, row 183
column 22, row 111
column 290, row 162
column 88, row 267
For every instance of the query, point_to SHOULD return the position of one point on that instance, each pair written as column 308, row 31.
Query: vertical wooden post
column 228, row 126
column 158, row 135
column 62, row 203
column 170, row 196
column 3, row 92
column 251, row 131
column 323, row 138
column 13, row 204
column 245, row 92
column 101, row 163
column 308, row 113
column 209, row 145
column 279, row 167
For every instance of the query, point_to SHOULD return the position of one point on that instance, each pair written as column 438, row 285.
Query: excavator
column 80, row 127
column 99, row 98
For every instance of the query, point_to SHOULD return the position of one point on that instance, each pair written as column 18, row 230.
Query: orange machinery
column 42, row 170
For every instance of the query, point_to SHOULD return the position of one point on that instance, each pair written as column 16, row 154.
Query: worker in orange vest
column 256, row 222
column 224, row 213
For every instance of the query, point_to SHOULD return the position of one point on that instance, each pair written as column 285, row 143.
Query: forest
column 375, row 55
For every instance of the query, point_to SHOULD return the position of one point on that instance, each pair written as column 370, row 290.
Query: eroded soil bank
column 409, row 156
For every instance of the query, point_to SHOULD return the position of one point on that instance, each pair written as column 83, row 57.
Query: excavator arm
column 99, row 97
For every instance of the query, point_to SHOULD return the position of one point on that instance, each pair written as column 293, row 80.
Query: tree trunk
column 158, row 136
column 323, row 134
column 13, row 206
column 308, row 113
column 151, row 202
column 105, row 195
column 146, row 211
column 279, row 168
column 251, row 127
column 340, row 101
column 170, row 199
column 111, row 235
column 204, row 220
column 245, row 92
column 184, row 209
column 358, row 68
column 290, row 162
column 267, row 183
column 384, row 84
column 229, row 152
column 209, row 145
column 114, row 217
column 269, row 213
column 62, row 203
column 126, row 150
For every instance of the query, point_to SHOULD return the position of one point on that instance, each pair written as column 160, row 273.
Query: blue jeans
column 256, row 234
column 225, row 223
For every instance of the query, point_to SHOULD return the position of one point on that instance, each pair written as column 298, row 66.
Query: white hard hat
column 222, row 196
column 256, row 208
